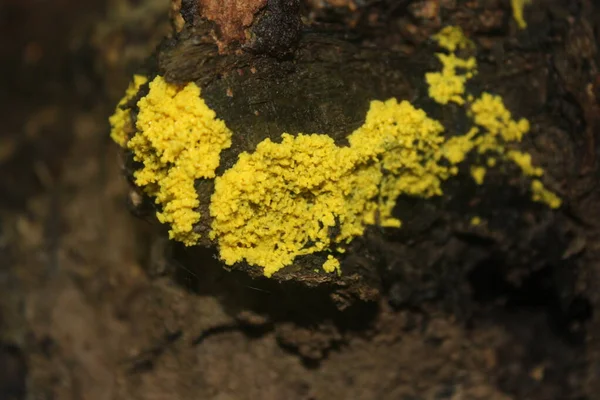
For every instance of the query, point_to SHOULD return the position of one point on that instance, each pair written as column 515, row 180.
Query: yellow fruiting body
column 121, row 125
column 476, row 221
column 178, row 140
column 409, row 146
column 332, row 264
column 489, row 112
column 449, row 84
column 456, row 148
column 306, row 194
column 494, row 128
column 287, row 199
column 518, row 7
column 478, row 174
column 543, row 195
column 452, row 38
column 523, row 160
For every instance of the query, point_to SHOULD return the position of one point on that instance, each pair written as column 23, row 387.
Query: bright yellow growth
column 409, row 146
column 449, row 84
column 523, row 160
column 304, row 194
column 478, row 174
column 494, row 128
column 457, row 147
column 518, row 7
column 178, row 140
column 332, row 265
column 120, row 122
column 476, row 221
column 452, row 38
column 489, row 112
column 543, row 195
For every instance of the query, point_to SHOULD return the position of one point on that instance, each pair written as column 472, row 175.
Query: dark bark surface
column 96, row 304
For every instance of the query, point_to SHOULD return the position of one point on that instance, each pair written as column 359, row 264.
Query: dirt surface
column 96, row 304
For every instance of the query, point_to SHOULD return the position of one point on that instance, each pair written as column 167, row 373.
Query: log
column 321, row 76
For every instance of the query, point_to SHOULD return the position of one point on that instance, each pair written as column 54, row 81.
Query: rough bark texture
column 96, row 305
column 232, row 17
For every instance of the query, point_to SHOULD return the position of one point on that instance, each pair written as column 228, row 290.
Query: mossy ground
column 94, row 307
